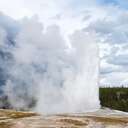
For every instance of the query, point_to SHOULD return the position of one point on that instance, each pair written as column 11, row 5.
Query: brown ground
column 99, row 119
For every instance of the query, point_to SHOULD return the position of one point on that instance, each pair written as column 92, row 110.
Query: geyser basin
column 98, row 119
column 43, row 67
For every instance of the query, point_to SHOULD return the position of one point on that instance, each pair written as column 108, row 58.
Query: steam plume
column 43, row 67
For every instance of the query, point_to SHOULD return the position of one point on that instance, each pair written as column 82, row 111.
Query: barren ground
column 99, row 119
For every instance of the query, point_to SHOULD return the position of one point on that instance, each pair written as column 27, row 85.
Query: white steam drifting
column 43, row 67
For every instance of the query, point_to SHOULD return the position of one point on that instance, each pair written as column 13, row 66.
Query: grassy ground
column 115, row 98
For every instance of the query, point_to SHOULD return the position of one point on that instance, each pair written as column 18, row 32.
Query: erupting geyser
column 76, row 87
column 43, row 67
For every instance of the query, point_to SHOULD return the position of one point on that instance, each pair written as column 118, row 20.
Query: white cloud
column 112, row 32
column 14, row 8
column 109, row 21
column 115, row 79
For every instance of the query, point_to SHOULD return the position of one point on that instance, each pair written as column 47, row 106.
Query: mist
column 60, row 74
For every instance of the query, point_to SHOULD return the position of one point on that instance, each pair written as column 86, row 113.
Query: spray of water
column 43, row 67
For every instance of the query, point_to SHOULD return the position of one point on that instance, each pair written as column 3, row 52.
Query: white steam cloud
column 43, row 67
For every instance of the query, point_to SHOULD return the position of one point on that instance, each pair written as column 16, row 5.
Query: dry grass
column 7, row 117
column 6, row 114
column 113, row 120
column 5, row 125
column 73, row 121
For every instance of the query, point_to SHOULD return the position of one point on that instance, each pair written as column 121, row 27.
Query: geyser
column 42, row 66
column 76, row 87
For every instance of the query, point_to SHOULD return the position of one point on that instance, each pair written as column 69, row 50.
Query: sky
column 107, row 18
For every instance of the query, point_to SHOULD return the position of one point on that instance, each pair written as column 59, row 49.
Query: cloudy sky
column 108, row 18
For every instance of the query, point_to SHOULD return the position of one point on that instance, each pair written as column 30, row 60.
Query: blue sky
column 109, row 1
column 121, row 3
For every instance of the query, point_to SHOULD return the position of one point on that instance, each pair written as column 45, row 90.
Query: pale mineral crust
column 99, row 119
